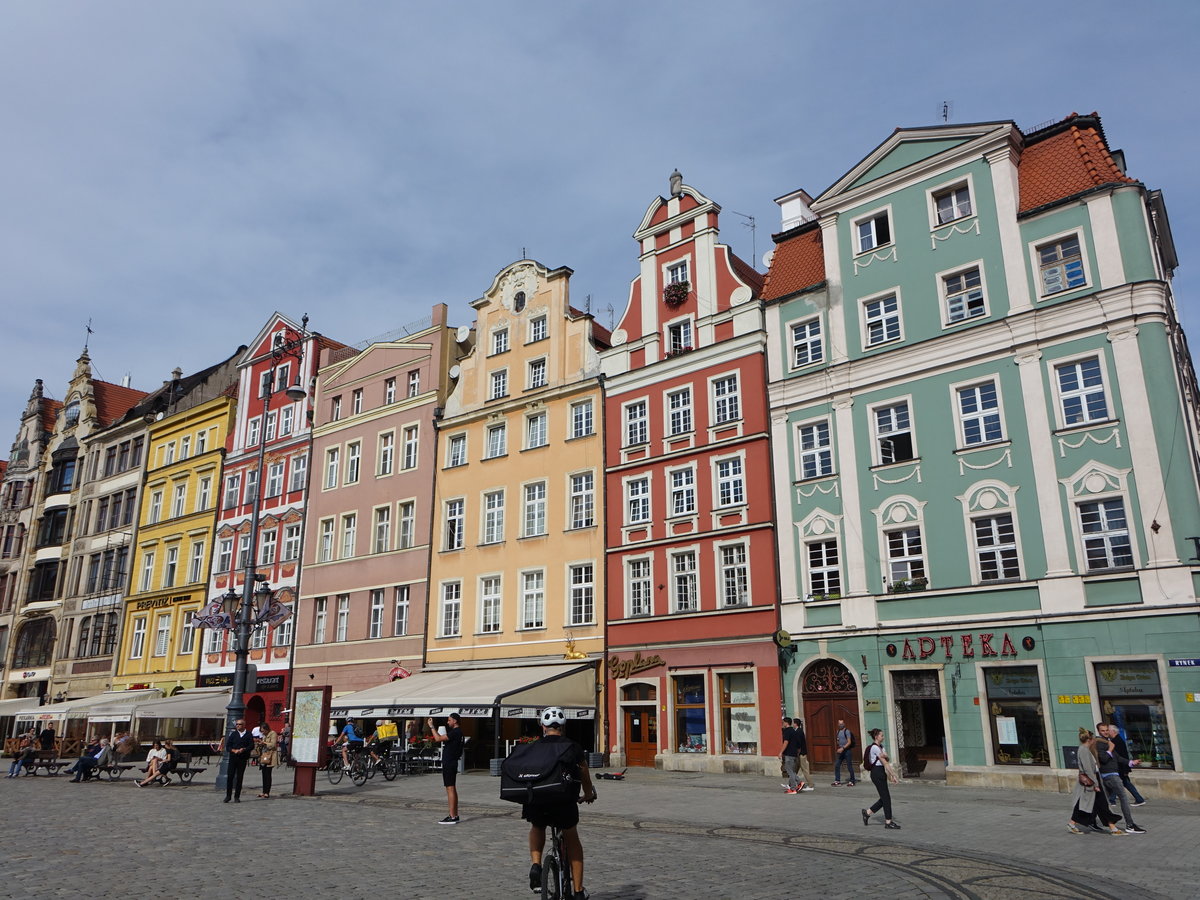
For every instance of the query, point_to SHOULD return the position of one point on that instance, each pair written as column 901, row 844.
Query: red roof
column 50, row 410
column 798, row 263
column 747, row 273
column 1068, row 161
column 113, row 401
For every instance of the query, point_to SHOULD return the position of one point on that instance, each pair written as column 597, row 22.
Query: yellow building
column 517, row 570
column 173, row 546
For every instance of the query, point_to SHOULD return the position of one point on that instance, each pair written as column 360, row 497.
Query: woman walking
column 875, row 761
column 268, row 757
column 1090, row 803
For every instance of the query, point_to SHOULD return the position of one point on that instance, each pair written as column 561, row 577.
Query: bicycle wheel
column 551, row 883
column 358, row 771
column 335, row 770
column 388, row 767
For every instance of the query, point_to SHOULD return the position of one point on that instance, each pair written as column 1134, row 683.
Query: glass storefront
column 1130, row 695
column 739, row 717
column 691, row 728
column 1018, row 727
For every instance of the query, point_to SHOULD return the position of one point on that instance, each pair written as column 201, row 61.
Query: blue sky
column 175, row 172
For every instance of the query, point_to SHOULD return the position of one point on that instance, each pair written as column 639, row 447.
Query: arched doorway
column 639, row 711
column 829, row 692
column 256, row 711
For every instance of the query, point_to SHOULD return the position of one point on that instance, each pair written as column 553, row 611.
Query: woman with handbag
column 1090, row 803
column 268, row 757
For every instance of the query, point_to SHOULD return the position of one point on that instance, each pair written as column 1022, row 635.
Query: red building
column 693, row 672
column 267, row 420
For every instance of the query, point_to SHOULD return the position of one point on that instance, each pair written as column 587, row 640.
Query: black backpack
column 539, row 773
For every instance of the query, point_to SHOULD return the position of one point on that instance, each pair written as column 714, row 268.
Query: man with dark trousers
column 239, row 742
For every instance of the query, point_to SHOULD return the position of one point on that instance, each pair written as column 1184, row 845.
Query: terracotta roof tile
column 50, row 410
column 113, row 401
column 798, row 263
column 1066, row 162
column 747, row 273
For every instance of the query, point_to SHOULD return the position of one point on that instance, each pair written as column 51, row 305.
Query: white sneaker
column 807, row 788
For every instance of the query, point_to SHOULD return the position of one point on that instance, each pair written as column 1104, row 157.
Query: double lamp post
column 242, row 612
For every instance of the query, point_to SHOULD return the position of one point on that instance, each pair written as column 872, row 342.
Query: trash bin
column 595, row 760
column 494, row 766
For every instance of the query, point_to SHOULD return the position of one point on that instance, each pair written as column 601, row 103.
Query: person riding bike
column 382, row 739
column 563, row 814
column 350, row 740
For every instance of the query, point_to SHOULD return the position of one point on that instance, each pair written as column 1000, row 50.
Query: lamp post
column 242, row 612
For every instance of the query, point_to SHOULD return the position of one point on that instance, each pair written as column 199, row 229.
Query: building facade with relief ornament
column 986, row 458
column 517, row 559
column 46, row 633
column 361, row 615
column 269, row 423
column 189, row 421
column 693, row 674
column 18, row 491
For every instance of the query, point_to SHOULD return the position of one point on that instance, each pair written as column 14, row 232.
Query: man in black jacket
column 239, row 742
column 1113, row 733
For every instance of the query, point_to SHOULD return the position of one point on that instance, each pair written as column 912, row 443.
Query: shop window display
column 691, row 726
column 1131, row 698
column 739, row 721
column 1017, row 718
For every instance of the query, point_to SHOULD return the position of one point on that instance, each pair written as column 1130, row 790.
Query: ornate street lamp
column 255, row 605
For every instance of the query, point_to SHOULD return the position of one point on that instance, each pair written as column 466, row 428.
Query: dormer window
column 873, row 231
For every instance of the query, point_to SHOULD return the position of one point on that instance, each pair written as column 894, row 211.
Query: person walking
column 802, row 754
column 1088, row 797
column 268, row 757
column 1110, row 779
column 788, row 755
column 452, row 737
column 876, row 762
column 1113, row 733
column 239, row 742
column 843, row 746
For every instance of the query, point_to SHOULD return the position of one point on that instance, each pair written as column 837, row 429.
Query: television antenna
column 946, row 111
column 750, row 223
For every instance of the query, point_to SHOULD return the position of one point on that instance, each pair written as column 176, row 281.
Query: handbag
column 1085, row 781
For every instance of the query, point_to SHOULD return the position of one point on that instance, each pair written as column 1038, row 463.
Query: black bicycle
column 557, row 883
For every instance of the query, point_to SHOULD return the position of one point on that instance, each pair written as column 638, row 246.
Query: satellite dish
column 767, row 257
column 455, row 371
column 463, row 333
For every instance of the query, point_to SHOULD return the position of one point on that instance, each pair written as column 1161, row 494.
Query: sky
column 175, row 172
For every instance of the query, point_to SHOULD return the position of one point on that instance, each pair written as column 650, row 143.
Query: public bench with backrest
column 44, row 759
column 183, row 768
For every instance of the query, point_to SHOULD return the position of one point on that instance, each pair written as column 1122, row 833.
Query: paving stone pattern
column 654, row 836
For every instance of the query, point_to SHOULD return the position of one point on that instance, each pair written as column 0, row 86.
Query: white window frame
column 491, row 598
column 962, row 183
column 389, row 391
column 320, row 619
column 677, row 270
column 269, row 547
column 681, row 491
column 581, row 503
column 726, row 402
column 500, row 342
column 536, row 374
column 401, row 596
column 1039, row 271
column 224, row 555
column 381, row 529
column 581, row 594
column 818, row 579
column 356, row 401
column 162, row 634
column 534, row 498
column 170, row 567
column 537, row 430
column 179, row 500
column 375, row 620
column 984, row 416
column 353, row 462
column 412, row 447
column 414, row 383
column 635, row 416
column 203, row 493
column 299, row 474
column 349, row 542
column 287, row 420
column 943, row 285
column 147, row 579
column 233, row 488
column 455, row 518
column 493, row 516
column 901, row 562
column 450, row 609
column 196, row 562
column 533, row 599
column 406, row 524
column 341, row 629
column 387, row 453
column 1104, row 538
column 325, row 540
column 637, row 499
column 274, row 479
column 885, row 318
column 878, row 436
column 156, row 502
column 333, row 462
column 814, row 449
column 496, row 442
column 639, row 586
column 291, row 542
column 680, row 335
column 729, row 481
column 456, row 450
column 583, row 419
column 685, row 580
column 1060, row 396
column 539, row 329
column 733, row 568
column 860, row 246
column 679, row 415
column 187, row 635
column 807, row 339
column 137, row 641
column 996, row 549
column 498, row 384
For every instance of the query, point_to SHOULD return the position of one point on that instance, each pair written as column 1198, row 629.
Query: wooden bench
column 113, row 771
column 183, row 769
column 44, row 759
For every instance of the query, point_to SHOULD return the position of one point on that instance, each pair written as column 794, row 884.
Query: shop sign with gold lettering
column 623, row 668
column 924, row 647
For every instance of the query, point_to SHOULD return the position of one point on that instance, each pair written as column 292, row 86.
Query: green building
column 985, row 450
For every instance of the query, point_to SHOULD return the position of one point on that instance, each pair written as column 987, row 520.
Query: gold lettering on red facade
column 623, row 668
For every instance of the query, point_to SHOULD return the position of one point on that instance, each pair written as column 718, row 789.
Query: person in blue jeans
column 1113, row 733
column 844, row 745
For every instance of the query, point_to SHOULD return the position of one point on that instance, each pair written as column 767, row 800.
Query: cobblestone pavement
column 654, row 836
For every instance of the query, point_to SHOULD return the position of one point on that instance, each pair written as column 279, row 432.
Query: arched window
column 35, row 644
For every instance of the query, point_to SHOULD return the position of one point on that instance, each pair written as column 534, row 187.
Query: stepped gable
column 798, row 262
column 1065, row 159
column 113, row 401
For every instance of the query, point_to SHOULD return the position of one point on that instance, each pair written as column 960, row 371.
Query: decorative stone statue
column 676, row 184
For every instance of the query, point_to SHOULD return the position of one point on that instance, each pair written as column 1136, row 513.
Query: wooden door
column 641, row 735
column 829, row 693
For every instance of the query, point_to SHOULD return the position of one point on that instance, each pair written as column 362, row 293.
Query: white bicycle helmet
column 553, row 717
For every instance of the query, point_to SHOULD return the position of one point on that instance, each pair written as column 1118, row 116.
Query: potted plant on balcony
column 675, row 293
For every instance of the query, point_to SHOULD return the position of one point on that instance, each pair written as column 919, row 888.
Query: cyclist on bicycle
column 564, row 814
column 351, row 740
column 382, row 739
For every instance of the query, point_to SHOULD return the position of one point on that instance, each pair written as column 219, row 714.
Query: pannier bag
column 387, row 731
column 538, row 773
